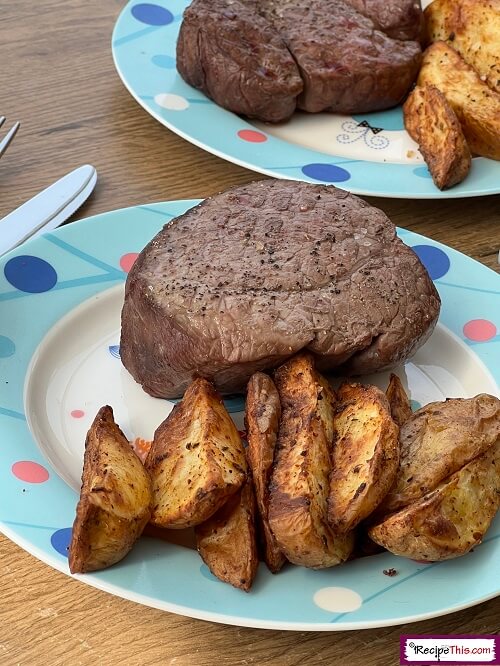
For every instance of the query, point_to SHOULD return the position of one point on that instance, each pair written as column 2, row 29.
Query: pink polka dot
column 480, row 330
column 252, row 136
column 77, row 413
column 31, row 472
column 127, row 261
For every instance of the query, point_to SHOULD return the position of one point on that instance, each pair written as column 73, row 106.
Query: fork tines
column 4, row 143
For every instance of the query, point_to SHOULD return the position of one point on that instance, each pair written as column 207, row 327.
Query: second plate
column 368, row 154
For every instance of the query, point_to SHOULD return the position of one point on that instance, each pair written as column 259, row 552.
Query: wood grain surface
column 57, row 77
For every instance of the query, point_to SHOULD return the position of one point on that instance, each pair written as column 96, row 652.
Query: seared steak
column 237, row 58
column 239, row 52
column 249, row 277
column 346, row 65
column 399, row 19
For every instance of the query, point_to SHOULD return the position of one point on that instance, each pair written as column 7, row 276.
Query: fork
column 4, row 143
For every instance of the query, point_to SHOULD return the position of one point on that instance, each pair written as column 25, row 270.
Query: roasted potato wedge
column 365, row 455
column 472, row 27
column 115, row 499
column 262, row 415
column 437, row 441
column 197, row 460
column 451, row 519
column 475, row 104
column 398, row 401
column 299, row 483
column 432, row 123
column 227, row 541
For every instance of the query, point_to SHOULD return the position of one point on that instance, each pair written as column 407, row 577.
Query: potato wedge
column 365, row 455
column 227, row 541
column 437, row 441
column 475, row 104
column 299, row 483
column 398, row 401
column 115, row 499
column 451, row 519
column 472, row 27
column 197, row 460
column 262, row 415
column 432, row 123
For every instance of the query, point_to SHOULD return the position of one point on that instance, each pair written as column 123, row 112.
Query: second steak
column 347, row 66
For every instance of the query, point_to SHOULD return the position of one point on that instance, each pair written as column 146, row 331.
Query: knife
column 48, row 209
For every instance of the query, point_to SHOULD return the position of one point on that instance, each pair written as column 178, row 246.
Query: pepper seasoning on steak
column 251, row 276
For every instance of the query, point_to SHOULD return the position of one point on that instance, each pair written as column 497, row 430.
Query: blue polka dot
column 152, row 14
column 391, row 120
column 7, row 347
column 164, row 61
column 114, row 350
column 326, row 173
column 435, row 260
column 30, row 274
column 415, row 404
column 60, row 540
column 422, row 172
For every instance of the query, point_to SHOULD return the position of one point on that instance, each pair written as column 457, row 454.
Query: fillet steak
column 346, row 65
column 237, row 58
column 254, row 57
column 399, row 19
column 253, row 275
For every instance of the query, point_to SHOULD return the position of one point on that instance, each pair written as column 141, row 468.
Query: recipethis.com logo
column 458, row 649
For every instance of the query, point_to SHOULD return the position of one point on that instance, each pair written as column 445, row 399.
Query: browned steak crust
column 251, row 276
column 347, row 66
column 237, row 58
column 399, row 19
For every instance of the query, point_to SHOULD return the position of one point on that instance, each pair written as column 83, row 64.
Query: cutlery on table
column 5, row 142
column 48, row 209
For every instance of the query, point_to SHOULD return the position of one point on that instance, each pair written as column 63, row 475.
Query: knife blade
column 48, row 209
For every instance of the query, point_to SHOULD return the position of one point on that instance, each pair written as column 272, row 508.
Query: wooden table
column 58, row 78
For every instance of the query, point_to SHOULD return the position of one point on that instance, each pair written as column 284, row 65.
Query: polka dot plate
column 60, row 301
column 368, row 154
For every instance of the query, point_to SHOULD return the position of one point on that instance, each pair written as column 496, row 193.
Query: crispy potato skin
column 475, row 104
column 115, row 499
column 398, row 401
column 197, row 459
column 432, row 123
column 450, row 520
column 299, row 483
column 262, row 415
column 365, row 455
column 437, row 441
column 227, row 541
column 472, row 27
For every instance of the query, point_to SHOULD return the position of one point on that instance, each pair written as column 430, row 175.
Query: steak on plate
column 347, row 66
column 399, row 19
column 253, row 275
column 255, row 57
column 237, row 58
